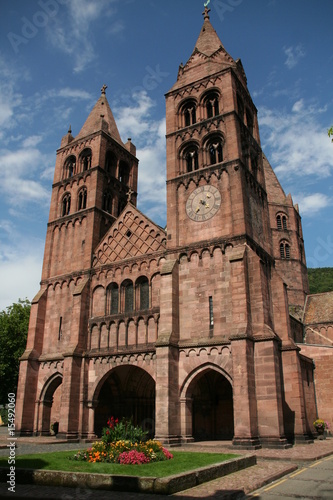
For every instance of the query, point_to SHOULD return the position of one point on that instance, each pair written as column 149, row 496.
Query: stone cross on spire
column 206, row 12
column 103, row 89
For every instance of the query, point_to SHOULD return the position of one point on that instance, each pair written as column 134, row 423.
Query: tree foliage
column 330, row 133
column 320, row 279
column 14, row 322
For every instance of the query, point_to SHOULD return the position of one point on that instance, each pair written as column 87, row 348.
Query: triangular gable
column 131, row 235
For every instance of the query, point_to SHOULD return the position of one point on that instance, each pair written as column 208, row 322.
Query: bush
column 4, row 415
column 124, row 430
column 124, row 443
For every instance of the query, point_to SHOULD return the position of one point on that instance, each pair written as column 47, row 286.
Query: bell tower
column 95, row 175
column 215, row 178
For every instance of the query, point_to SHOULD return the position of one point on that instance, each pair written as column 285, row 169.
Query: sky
column 55, row 55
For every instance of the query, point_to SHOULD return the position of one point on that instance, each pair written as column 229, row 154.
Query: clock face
column 203, row 203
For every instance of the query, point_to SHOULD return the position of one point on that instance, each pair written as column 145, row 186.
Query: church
column 185, row 329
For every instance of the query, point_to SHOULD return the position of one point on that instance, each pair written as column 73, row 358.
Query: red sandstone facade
column 185, row 329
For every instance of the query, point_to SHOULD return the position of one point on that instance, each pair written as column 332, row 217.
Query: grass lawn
column 182, row 461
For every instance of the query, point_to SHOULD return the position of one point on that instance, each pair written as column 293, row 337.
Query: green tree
column 330, row 133
column 14, row 322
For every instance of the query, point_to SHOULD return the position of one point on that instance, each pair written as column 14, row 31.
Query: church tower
column 229, row 311
column 215, row 179
column 95, row 177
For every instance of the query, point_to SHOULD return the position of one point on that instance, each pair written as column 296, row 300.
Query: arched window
column 113, row 298
column 215, row 151
column 240, row 108
column 190, row 159
column 254, row 165
column 70, row 167
column 85, row 160
column 281, row 222
column 66, row 205
column 82, row 199
column 143, row 293
column 107, row 202
column 211, row 103
column 111, row 163
column 121, row 206
column 249, row 120
column 189, row 113
column 123, row 172
column 284, row 250
column 128, row 296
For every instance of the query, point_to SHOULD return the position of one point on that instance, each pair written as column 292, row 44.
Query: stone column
column 244, row 394
column 269, row 392
column 296, row 425
column 91, row 419
column 186, row 411
column 167, row 424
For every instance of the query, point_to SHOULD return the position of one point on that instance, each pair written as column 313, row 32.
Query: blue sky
column 55, row 55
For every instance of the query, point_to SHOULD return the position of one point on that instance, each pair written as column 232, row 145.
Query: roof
column 318, row 308
column 132, row 235
column 100, row 118
column 208, row 41
column 208, row 55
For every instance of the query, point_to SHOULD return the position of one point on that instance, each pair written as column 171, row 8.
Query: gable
column 132, row 235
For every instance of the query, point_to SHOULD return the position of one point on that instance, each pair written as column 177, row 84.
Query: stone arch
column 125, row 391
column 207, row 404
column 49, row 410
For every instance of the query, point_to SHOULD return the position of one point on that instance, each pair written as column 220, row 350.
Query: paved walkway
column 271, row 465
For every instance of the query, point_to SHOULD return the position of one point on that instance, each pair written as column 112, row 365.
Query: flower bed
column 124, row 444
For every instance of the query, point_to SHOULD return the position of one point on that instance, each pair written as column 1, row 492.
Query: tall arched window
column 281, row 222
column 70, row 167
column 128, row 296
column 211, row 103
column 66, row 205
column 82, row 199
column 249, row 120
column 214, row 151
column 189, row 113
column 121, row 206
column 107, row 202
column 143, row 293
column 85, row 160
column 240, row 108
column 284, row 250
column 111, row 163
column 123, row 172
column 190, row 159
column 113, row 298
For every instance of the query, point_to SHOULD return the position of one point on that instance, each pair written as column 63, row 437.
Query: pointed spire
column 70, row 129
column 208, row 41
column 100, row 118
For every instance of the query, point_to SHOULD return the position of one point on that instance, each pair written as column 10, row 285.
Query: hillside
column 320, row 279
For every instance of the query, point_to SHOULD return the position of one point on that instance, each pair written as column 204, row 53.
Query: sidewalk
column 271, row 465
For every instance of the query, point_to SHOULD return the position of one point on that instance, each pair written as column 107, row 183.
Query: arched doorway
column 50, row 401
column 128, row 391
column 212, row 406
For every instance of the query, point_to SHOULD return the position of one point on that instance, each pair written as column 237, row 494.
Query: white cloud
column 149, row 137
column 17, row 168
column 71, row 34
column 20, row 272
column 297, row 143
column 311, row 204
column 294, row 54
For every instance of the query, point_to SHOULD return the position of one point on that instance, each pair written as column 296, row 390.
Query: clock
column 203, row 203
